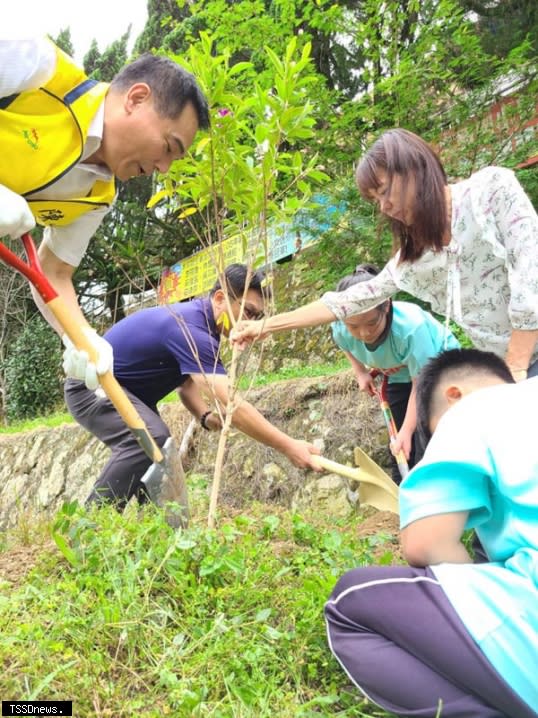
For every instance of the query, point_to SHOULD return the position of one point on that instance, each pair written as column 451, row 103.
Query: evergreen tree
column 113, row 58
column 64, row 42
column 104, row 66
column 92, row 59
column 169, row 22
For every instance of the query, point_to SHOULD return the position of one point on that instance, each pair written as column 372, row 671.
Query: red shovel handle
column 381, row 392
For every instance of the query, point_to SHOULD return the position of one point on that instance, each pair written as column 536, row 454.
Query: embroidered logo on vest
column 32, row 138
column 50, row 215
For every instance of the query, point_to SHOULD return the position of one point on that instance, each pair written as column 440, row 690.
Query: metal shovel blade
column 167, row 488
column 376, row 488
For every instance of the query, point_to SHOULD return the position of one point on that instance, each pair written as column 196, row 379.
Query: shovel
column 376, row 488
column 166, row 486
column 159, row 480
column 381, row 393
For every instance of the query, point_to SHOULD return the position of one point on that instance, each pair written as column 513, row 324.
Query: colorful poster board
column 196, row 274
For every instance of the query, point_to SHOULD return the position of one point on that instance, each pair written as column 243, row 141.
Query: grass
column 50, row 420
column 293, row 372
column 132, row 618
column 126, row 617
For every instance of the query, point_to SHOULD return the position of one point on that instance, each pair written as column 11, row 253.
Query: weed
column 136, row 619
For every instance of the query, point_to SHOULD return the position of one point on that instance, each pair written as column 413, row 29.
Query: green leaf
column 187, row 212
column 48, row 679
column 65, row 549
column 263, row 615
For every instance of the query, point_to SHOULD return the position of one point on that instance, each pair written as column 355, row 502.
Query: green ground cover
column 126, row 617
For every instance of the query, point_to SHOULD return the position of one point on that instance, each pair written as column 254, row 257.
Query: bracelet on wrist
column 203, row 420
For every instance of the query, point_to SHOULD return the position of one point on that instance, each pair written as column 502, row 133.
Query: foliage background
column 435, row 67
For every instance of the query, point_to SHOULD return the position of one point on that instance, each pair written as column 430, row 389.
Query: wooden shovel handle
column 112, row 388
column 336, row 468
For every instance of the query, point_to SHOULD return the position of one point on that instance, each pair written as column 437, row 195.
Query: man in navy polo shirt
column 171, row 347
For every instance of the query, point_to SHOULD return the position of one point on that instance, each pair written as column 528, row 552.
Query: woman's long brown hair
column 401, row 152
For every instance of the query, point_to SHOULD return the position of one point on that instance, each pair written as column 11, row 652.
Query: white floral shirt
column 486, row 279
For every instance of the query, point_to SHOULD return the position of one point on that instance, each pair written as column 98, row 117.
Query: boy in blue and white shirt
column 445, row 631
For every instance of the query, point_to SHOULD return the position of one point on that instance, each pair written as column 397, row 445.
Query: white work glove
column 77, row 364
column 15, row 215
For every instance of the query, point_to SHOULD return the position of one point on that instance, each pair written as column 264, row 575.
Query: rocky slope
column 41, row 469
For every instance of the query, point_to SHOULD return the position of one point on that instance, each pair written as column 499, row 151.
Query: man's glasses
column 252, row 313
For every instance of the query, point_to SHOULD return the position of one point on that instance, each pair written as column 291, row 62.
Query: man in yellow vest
column 65, row 139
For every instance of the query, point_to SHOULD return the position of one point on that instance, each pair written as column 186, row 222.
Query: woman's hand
column 246, row 332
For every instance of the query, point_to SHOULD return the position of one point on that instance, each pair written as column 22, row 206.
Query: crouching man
column 176, row 346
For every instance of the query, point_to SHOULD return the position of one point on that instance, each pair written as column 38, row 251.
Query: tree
column 504, row 24
column 429, row 73
column 92, row 59
column 248, row 170
column 16, row 308
column 375, row 64
column 33, row 371
column 64, row 42
column 114, row 57
column 124, row 257
column 105, row 66
column 168, row 24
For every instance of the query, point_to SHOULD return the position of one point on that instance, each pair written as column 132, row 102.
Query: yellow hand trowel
column 376, row 488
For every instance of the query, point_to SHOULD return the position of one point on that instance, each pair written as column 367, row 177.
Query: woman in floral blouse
column 469, row 249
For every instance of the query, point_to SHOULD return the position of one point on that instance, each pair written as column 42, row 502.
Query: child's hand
column 365, row 382
column 402, row 442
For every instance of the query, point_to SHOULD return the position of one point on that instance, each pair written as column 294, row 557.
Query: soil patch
column 377, row 523
column 386, row 526
column 17, row 562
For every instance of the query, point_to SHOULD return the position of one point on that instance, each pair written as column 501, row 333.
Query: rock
column 329, row 494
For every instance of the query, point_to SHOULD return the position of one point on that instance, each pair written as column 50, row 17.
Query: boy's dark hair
column 458, row 364
column 236, row 282
column 172, row 86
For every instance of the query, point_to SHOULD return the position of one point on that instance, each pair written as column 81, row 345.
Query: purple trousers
column 396, row 635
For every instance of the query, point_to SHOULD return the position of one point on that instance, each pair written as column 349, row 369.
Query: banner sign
column 196, row 274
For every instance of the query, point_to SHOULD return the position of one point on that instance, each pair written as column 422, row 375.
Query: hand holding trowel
column 164, row 480
column 376, row 488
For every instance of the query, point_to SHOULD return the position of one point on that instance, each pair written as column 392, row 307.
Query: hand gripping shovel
column 376, row 488
column 162, row 482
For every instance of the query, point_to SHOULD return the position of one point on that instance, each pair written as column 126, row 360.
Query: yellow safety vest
column 42, row 135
